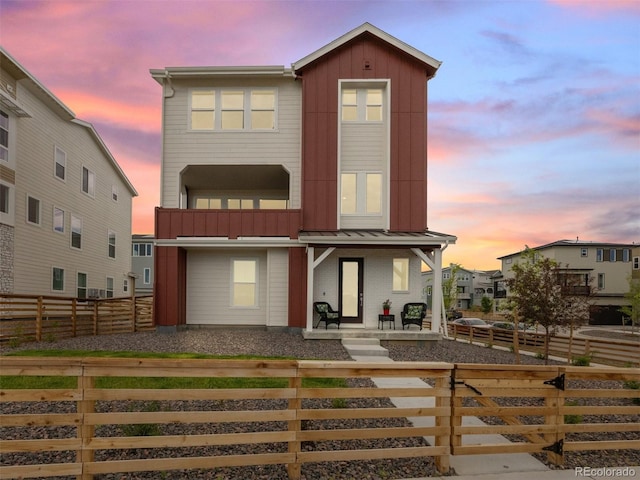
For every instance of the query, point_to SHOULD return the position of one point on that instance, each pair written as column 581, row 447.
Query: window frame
column 599, row 254
column 38, row 221
column 362, row 192
column 146, row 276
column 255, row 283
column 601, row 281
column 78, row 287
column 109, row 291
column 57, row 150
column 362, row 105
column 613, row 255
column 142, row 246
column 5, row 199
column 636, row 263
column 584, row 252
column 91, row 182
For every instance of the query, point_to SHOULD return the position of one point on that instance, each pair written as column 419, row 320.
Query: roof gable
column 430, row 62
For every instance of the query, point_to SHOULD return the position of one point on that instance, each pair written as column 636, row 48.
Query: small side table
column 386, row 318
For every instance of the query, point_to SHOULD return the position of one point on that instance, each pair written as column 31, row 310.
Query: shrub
column 338, row 403
column 144, row 429
column 582, row 360
column 572, row 418
column 633, row 385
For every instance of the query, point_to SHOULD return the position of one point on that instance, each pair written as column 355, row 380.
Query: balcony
column 176, row 222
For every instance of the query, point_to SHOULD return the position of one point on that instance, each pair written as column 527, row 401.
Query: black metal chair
column 327, row 314
column 413, row 314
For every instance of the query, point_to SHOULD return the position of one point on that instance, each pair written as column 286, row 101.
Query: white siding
column 209, row 288
column 39, row 248
column 183, row 147
column 378, row 278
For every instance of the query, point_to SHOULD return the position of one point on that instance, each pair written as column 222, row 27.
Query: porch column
column 310, row 259
column 436, row 296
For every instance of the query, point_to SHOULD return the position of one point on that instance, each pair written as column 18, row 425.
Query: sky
column 534, row 115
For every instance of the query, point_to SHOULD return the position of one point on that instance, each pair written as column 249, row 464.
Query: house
column 285, row 186
column 470, row 286
column 65, row 204
column 142, row 263
column 599, row 269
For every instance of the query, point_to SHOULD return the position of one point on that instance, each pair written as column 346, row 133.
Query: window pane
column 58, row 279
column 82, row 285
column 262, row 100
column 262, row 120
column 76, row 232
column 215, row 203
column 202, row 203
column 233, row 120
column 61, row 162
column 266, row 204
column 112, row 244
column 4, row 199
column 400, row 274
column 349, row 113
column 33, row 207
column 233, row 203
column 374, row 192
column 374, row 113
column 246, row 203
column 233, row 100
column 349, row 97
column 202, row 120
column 348, row 193
column 147, row 275
column 374, row 97
column 203, row 99
column 244, row 271
column 244, row 295
column 58, row 220
column 88, row 181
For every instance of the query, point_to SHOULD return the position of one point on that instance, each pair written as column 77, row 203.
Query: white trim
column 64, row 286
column 310, row 274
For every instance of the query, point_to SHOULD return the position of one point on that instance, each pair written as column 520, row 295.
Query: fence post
column 39, row 311
column 95, row 317
column 85, row 432
column 295, row 404
column 456, row 418
column 555, row 401
column 443, row 461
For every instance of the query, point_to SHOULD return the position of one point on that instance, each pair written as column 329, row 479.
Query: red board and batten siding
column 408, row 142
column 170, row 288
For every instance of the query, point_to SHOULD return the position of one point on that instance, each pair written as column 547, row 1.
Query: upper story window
column 88, row 182
column 110, row 284
column 60, row 164
column 233, row 109
column 33, row 210
column 114, row 193
column 142, row 249
column 361, row 193
column 636, row 263
column 612, row 255
column 111, row 240
column 584, row 252
column 599, row 255
column 76, row 232
column 626, row 254
column 4, row 198
column 58, row 220
column 362, row 104
column 4, row 136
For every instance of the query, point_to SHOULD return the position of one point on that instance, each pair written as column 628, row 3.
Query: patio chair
column 413, row 314
column 327, row 314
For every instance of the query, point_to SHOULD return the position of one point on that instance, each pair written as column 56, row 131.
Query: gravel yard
column 283, row 344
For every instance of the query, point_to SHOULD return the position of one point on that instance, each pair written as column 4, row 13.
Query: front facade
column 471, row 286
column 65, row 204
column 285, row 186
column 601, row 270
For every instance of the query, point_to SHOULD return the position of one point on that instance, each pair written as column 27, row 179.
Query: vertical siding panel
column 223, row 221
column 235, row 223
column 187, row 224
column 297, row 288
column 404, row 211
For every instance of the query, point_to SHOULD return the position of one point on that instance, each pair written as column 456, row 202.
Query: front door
column 350, row 285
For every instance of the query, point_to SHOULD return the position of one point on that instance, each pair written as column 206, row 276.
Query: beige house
column 600, row 268
column 65, row 204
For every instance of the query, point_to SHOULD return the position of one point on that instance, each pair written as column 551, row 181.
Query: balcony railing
column 175, row 222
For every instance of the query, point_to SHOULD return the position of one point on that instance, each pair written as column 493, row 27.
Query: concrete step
column 364, row 347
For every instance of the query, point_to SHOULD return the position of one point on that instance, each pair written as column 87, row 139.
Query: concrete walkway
column 367, row 350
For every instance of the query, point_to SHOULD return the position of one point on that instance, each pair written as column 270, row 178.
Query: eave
column 176, row 73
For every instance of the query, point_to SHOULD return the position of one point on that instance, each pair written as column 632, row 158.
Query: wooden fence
column 608, row 352
column 286, row 424
column 26, row 318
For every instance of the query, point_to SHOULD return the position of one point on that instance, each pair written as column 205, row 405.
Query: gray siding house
column 142, row 263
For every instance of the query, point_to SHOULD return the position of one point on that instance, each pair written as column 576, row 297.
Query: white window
column 76, row 232
column 111, row 239
column 400, row 274
column 244, row 280
column 203, row 109
column 60, row 164
column 361, row 193
column 601, row 281
column 114, row 193
column 636, row 263
column 58, row 220
column 125, row 285
column 599, row 254
column 584, row 252
column 146, row 276
column 142, row 249
column 362, row 104
column 4, row 137
column 88, row 182
column 233, row 109
column 57, row 279
column 109, row 287
column 273, row 204
column 213, row 203
column 81, row 285
column 4, row 198
column 626, row 254
column 240, row 203
column 33, row 210
column 612, row 255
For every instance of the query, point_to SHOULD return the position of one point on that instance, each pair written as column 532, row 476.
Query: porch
column 419, row 337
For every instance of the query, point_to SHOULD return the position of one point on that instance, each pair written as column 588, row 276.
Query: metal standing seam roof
column 376, row 237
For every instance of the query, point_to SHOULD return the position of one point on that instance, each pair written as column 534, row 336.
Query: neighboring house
column 471, row 286
column 635, row 269
column 142, row 263
column 285, row 186
column 600, row 269
column 65, row 204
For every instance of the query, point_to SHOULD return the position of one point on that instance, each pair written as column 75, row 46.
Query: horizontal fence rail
column 608, row 352
column 288, row 418
column 25, row 318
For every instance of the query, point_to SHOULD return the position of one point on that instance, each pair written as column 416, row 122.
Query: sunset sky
column 534, row 115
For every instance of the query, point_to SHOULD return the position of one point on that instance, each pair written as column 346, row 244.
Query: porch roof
column 375, row 237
